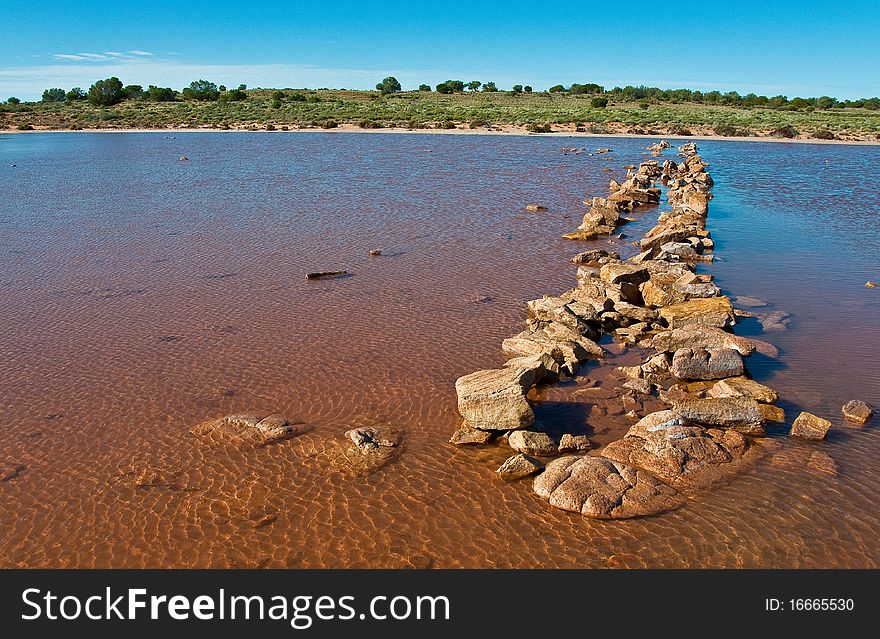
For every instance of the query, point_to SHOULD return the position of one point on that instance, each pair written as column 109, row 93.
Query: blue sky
column 803, row 48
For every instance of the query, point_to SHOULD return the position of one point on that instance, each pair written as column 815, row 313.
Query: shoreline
column 503, row 131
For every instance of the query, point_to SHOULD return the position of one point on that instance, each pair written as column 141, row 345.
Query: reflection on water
column 142, row 295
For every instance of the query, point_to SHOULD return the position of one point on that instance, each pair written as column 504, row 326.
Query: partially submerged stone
column 711, row 311
column 532, row 442
column 467, row 435
column 809, row 426
column 697, row 336
column 699, row 363
column 738, row 413
column 252, row 430
column 9, row 471
column 604, row 489
column 535, row 208
column 857, row 411
column 519, row 466
column 574, row 443
column 371, row 447
column 772, row 413
column 495, row 399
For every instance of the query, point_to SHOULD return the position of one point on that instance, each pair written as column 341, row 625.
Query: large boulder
column 739, row 413
column 809, row 426
column 744, row 387
column 495, row 399
column 519, row 466
column 698, row 336
column 604, row 489
column 699, row 363
column 532, row 442
column 710, row 311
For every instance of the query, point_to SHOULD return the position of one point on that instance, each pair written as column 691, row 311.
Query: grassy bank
column 537, row 112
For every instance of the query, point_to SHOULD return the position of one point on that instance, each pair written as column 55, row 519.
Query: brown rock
column 738, row 413
column 574, row 444
column 857, row 411
column 699, row 363
column 532, row 442
column 809, row 426
column 697, row 336
column 593, row 257
column 495, row 399
column 535, row 208
column 772, row 413
column 519, row 466
column 604, row 489
column 467, row 435
column 744, row 387
column 250, row 430
column 618, row 273
column 712, row 311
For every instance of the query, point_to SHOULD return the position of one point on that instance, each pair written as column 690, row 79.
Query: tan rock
column 857, row 411
column 466, row 435
column 772, row 413
column 697, row 336
column 738, row 413
column 532, row 442
column 574, row 444
column 495, row 399
column 744, row 387
column 250, row 430
column 699, row 363
column 519, row 466
column 809, row 426
column 712, row 311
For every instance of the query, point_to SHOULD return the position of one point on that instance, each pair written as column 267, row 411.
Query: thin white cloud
column 137, row 52
column 107, row 56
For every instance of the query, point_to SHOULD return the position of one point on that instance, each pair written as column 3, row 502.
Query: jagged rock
column 809, row 426
column 699, row 363
column 655, row 369
column 857, row 411
column 772, row 413
column 680, row 454
column 495, row 399
column 583, row 236
column 519, row 466
column 618, row 273
column 738, row 413
column 636, row 313
column 532, row 442
column 744, row 387
column 371, row 447
column 765, row 348
column 604, row 489
column 593, row 257
column 712, row 311
column 640, row 386
column 565, row 346
column 555, row 309
column 544, row 361
column 373, row 437
column 467, row 435
column 697, row 336
column 574, row 443
column 250, row 430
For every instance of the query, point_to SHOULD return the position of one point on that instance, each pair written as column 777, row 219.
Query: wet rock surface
column 809, row 426
column 248, row 430
column 738, row 413
column 519, row 466
column 857, row 411
column 495, row 399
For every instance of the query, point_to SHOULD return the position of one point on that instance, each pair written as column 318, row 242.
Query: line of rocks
column 654, row 300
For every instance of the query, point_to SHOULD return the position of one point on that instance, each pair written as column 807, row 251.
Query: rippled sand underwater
column 143, row 295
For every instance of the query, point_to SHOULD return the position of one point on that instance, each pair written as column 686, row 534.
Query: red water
column 142, row 295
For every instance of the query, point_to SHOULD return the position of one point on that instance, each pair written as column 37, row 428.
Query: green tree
column 474, row 85
column 13, row 100
column 457, row 86
column 599, row 102
column 517, row 88
column 242, row 87
column 236, row 95
column 159, row 94
column 133, row 92
column 76, row 94
column 443, row 87
column 527, row 88
column 54, row 95
column 106, row 92
column 490, row 87
column 424, row 87
column 389, row 85
column 201, row 90
column 826, row 102
column 556, row 88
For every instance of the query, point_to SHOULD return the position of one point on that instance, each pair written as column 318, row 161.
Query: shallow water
column 142, row 295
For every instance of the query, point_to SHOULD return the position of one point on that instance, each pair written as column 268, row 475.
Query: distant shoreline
column 497, row 131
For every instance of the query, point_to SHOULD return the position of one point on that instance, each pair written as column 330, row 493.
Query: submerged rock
column 857, row 411
column 535, row 208
column 9, row 471
column 604, row 489
column 594, row 257
column 738, row 413
column 372, row 447
column 318, row 275
column 699, row 363
column 467, row 435
column 532, row 443
column 519, row 466
column 809, row 426
column 248, row 429
column 495, row 399
column 772, row 413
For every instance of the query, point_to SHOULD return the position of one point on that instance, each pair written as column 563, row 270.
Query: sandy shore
column 562, row 132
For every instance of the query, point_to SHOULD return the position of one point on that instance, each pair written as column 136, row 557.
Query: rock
column 535, row 208
column 574, row 444
column 697, row 336
column 618, row 273
column 371, row 447
column 680, row 454
column 749, row 302
column 532, row 442
column 374, row 252
column 654, row 370
column 775, row 321
column 519, row 466
column 583, row 236
column 738, row 413
column 870, row 284
column 772, row 413
column 495, row 399
column 373, row 437
column 712, row 311
column 9, row 471
column 699, row 363
column 744, row 387
column 857, row 411
column 183, row 158
column 541, row 360
column 467, row 435
column 635, row 313
column 822, row 462
column 318, row 275
column 640, row 386
column 809, row 426
column 604, row 489
column 796, row 459
column 765, row 348
column 593, row 257
column 248, row 429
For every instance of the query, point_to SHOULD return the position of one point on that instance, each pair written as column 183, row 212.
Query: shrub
column 534, row 127
column 517, row 88
column 54, row 95
column 443, row 88
column 727, row 130
column 25, row 127
column 159, row 94
column 556, row 88
column 202, row 91
column 823, row 134
column 236, row 95
column 297, row 97
column 270, row 127
column 106, row 92
column 389, row 85
column 446, row 124
column 476, row 123
column 787, row 131
column 278, row 95
column 313, row 98
column 13, row 100
column 275, row 104
column 133, row 91
column 644, row 104
column 424, row 87
column 329, row 124
column 474, row 85
column 370, row 124
column 599, row 102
